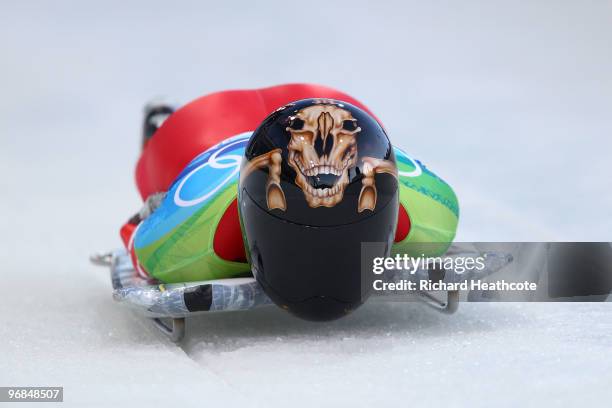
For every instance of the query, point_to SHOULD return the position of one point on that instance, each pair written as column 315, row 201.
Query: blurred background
column 510, row 102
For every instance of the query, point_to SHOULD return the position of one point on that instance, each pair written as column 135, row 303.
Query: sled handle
column 102, row 258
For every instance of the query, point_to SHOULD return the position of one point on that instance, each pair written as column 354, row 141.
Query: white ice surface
column 510, row 103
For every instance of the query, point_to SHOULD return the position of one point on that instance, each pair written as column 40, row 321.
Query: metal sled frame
column 175, row 331
column 167, row 305
column 129, row 288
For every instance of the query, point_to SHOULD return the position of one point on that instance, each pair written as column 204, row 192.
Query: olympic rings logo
column 216, row 161
column 418, row 170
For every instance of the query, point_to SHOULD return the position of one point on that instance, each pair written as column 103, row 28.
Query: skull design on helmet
column 322, row 149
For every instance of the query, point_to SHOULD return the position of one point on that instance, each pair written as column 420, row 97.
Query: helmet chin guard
column 318, row 179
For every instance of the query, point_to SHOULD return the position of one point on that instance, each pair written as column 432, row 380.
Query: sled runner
column 169, row 304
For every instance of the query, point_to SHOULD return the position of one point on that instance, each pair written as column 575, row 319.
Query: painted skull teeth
column 323, row 192
column 316, row 170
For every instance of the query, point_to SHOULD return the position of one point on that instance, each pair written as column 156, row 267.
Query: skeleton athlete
column 192, row 163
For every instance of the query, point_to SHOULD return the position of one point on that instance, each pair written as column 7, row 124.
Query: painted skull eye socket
column 349, row 125
column 296, row 124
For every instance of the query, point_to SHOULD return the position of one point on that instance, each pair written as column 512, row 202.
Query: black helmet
column 318, row 179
